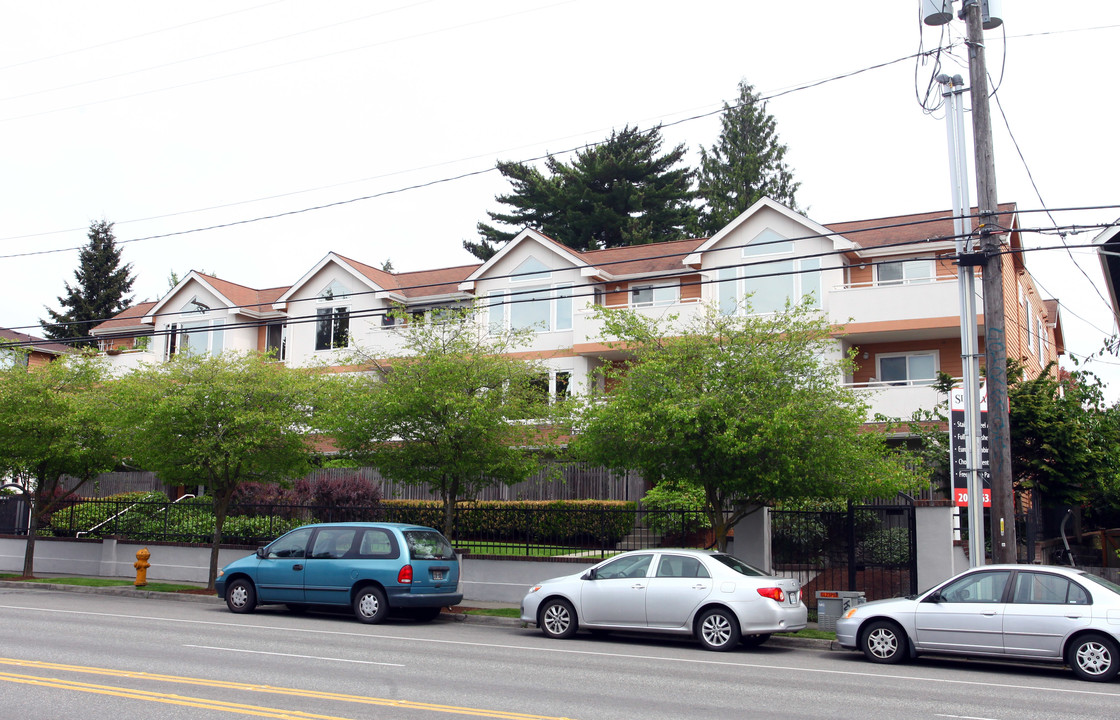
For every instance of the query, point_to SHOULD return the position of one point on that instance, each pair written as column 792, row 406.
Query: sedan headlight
column 534, row 588
column 851, row 612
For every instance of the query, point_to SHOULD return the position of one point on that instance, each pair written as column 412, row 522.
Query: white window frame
column 909, row 381
column 282, row 353
column 332, row 312
column 909, row 277
column 560, row 299
column 206, row 337
column 806, row 276
column 660, row 294
column 1030, row 321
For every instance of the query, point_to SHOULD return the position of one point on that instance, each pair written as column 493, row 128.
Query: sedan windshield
column 738, row 565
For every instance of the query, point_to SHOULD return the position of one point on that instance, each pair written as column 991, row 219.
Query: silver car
column 718, row 598
column 1020, row 612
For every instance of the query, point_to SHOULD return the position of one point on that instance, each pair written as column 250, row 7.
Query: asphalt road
column 90, row 656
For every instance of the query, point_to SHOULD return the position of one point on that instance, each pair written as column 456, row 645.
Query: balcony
column 896, row 401
column 909, row 312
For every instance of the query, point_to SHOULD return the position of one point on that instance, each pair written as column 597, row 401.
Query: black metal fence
column 868, row 548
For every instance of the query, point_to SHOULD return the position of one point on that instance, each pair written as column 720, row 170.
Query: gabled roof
column 644, row 259
column 1108, row 249
column 240, row 298
column 901, row 229
column 766, row 203
column 373, row 279
column 129, row 319
column 527, row 235
column 1054, row 319
column 35, row 344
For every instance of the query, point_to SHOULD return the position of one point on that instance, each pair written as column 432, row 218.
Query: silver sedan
column 1017, row 612
column 714, row 596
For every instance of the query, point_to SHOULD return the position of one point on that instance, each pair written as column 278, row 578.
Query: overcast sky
column 172, row 117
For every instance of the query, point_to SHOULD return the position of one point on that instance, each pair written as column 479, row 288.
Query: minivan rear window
column 428, row 545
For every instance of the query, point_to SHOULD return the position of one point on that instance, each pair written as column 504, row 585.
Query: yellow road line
column 227, row 685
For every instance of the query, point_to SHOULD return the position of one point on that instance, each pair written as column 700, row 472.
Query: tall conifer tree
column 100, row 292
column 745, row 164
column 621, row 192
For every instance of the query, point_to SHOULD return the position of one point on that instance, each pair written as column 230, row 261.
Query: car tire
column 557, row 619
column 718, row 629
column 241, row 596
column 1094, row 658
column 370, row 605
column 755, row 640
column 883, row 642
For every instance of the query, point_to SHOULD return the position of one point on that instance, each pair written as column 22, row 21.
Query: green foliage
column 746, row 164
column 797, row 535
column 746, row 407
column 1065, row 443
column 100, row 294
column 440, row 413
column 576, row 522
column 620, row 192
column 886, row 546
column 218, row 421
column 675, row 509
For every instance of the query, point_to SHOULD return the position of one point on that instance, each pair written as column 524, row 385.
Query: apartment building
column 888, row 284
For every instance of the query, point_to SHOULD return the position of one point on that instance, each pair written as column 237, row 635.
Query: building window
column 1041, row 339
column 905, row 272
column 907, row 368
column 1027, row 315
column 276, row 341
column 202, row 337
column 541, row 309
column 650, row 295
column 768, row 242
column 332, row 328
column 10, row 358
column 532, row 270
column 770, row 284
column 554, row 386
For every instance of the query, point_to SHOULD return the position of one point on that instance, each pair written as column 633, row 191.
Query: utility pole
column 1004, row 541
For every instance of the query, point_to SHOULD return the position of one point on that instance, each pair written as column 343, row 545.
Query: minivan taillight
column 404, row 577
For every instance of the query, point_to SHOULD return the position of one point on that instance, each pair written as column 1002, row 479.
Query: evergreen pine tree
column 746, row 164
column 100, row 292
column 620, row 192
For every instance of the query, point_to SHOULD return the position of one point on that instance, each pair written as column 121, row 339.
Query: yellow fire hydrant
column 142, row 566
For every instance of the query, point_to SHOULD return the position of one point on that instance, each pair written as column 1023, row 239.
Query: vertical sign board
column 956, row 447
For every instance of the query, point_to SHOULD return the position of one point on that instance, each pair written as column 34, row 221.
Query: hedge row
column 558, row 522
column 151, row 516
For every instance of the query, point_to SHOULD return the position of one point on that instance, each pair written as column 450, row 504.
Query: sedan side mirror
column 933, row 597
column 589, row 575
column 262, row 553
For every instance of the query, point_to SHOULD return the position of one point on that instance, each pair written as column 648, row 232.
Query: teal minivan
column 373, row 568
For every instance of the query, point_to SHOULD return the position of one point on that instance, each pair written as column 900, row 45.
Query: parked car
column 720, row 599
column 1020, row 612
column 372, row 567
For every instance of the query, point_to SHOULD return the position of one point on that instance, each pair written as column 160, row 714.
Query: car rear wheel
column 558, row 619
column 241, row 596
column 718, row 629
column 370, row 605
column 1094, row 658
column 883, row 642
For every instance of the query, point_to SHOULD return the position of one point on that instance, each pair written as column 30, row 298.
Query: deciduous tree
column 749, row 408
column 53, row 424
column 218, row 421
column 454, row 410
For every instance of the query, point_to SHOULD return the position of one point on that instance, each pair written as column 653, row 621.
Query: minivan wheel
column 370, row 605
column 1094, row 658
column 718, row 629
column 883, row 642
column 241, row 597
column 558, row 619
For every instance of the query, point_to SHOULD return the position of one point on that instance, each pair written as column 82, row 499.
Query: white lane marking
column 964, row 717
column 293, row 655
column 628, row 656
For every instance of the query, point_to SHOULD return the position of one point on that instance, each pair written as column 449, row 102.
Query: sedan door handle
column 297, row 567
column 637, row 586
column 699, row 587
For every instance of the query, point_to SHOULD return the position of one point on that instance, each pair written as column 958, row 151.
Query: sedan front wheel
column 883, row 642
column 558, row 619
